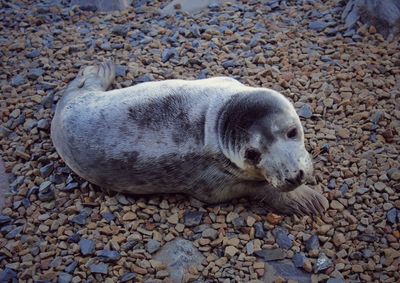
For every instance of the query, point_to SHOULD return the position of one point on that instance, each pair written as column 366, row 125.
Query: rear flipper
column 98, row 77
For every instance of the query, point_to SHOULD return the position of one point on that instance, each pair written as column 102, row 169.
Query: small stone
column 312, row 243
column 108, row 216
column 4, row 219
column 120, row 71
column 14, row 233
column 70, row 187
column 173, row 219
column 127, row 277
column 298, row 259
column 335, row 280
column 357, row 268
column 8, row 275
column 305, row 111
column 259, row 230
column 43, row 124
column 101, row 268
column 336, row 205
column 229, row 64
column 87, row 247
column 46, row 170
column 322, row 263
column 108, row 256
column 129, row 216
column 167, row 54
column 35, row 73
column 80, row 218
column 64, row 277
column 362, row 191
column 192, row 218
column 161, row 274
column 250, row 221
column 121, row 30
column 238, row 222
column 282, row 239
column 391, row 216
column 210, row 233
column 338, row 239
column 15, row 113
column 332, row 184
column 394, row 174
column 71, row 267
column 317, row 26
column 33, row 54
column 231, row 251
column 18, row 80
column 152, row 246
column 271, row 254
column 231, row 216
column 46, row 192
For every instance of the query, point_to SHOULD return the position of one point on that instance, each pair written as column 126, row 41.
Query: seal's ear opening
column 252, row 155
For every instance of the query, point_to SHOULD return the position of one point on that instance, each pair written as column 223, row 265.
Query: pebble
column 312, row 243
column 192, row 218
column 64, row 277
column 317, row 26
column 210, row 233
column 18, row 80
column 392, row 216
column 305, row 111
column 298, row 259
column 87, row 247
column 230, row 251
column 152, row 246
column 282, row 239
column 35, row 73
column 8, row 275
column 127, row 277
column 271, row 254
column 167, row 54
column 322, row 263
column 46, row 170
column 259, row 230
column 101, row 268
column 108, row 256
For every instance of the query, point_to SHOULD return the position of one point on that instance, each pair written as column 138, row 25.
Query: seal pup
column 214, row 139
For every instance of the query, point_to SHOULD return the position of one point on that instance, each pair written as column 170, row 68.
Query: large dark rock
column 384, row 15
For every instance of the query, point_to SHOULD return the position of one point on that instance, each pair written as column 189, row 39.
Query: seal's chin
column 285, row 185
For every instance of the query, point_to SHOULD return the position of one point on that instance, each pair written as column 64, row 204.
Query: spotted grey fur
column 215, row 139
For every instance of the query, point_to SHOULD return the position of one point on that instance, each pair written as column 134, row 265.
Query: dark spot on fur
column 243, row 111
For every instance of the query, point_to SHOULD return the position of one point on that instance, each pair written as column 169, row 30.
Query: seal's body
column 215, row 139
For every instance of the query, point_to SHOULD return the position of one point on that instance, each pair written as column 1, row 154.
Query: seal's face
column 263, row 136
column 276, row 151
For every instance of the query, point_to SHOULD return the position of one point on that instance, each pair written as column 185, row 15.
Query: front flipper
column 301, row 201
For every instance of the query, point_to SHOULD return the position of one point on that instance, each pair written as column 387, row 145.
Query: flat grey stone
column 178, row 255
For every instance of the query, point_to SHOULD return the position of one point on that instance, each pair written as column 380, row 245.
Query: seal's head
column 261, row 133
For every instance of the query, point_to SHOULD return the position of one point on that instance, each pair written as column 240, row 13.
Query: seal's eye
column 253, row 156
column 292, row 133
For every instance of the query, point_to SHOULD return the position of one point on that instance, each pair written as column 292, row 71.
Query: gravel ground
column 345, row 85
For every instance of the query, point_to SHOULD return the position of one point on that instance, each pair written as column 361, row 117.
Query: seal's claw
column 302, row 201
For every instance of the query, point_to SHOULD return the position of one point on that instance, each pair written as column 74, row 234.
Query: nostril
column 300, row 176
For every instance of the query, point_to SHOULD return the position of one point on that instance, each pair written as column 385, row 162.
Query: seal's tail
column 98, row 77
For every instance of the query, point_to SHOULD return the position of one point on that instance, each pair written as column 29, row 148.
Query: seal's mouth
column 285, row 184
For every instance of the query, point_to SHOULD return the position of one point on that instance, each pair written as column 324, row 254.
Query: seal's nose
column 300, row 176
column 298, row 179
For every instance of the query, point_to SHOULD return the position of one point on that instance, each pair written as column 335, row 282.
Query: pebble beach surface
column 56, row 227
